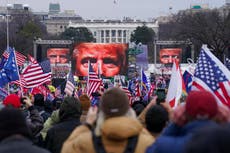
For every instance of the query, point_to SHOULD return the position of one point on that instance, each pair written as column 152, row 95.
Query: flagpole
column 141, row 78
column 7, row 28
column 20, row 82
column 88, row 77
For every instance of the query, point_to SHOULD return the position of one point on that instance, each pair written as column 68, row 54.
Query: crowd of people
column 73, row 125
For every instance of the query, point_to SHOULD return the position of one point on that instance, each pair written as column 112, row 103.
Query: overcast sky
column 117, row 9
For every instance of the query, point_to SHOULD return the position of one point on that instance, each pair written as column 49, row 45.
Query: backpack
column 99, row 147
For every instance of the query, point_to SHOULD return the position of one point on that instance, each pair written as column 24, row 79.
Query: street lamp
column 5, row 17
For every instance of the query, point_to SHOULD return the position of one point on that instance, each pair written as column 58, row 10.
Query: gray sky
column 117, row 9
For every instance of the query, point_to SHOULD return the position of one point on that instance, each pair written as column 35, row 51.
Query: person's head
column 201, row 105
column 12, row 100
column 114, row 102
column 39, row 100
column 138, row 107
column 168, row 55
column 156, row 119
column 58, row 55
column 108, row 59
column 70, row 108
column 12, row 122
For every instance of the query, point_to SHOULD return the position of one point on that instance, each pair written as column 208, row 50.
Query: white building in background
column 113, row 31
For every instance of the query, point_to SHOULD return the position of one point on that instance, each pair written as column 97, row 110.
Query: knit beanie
column 70, row 108
column 201, row 104
column 12, row 122
column 12, row 100
column 85, row 102
column 114, row 102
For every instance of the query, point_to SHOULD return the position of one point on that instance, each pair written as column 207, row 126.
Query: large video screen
column 107, row 59
column 168, row 55
column 58, row 55
column 59, row 60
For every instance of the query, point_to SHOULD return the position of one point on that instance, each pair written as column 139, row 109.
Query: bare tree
column 206, row 27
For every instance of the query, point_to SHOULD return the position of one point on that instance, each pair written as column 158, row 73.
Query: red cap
column 13, row 100
column 201, row 104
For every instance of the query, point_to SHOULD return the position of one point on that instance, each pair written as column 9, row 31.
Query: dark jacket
column 34, row 121
column 174, row 138
column 19, row 144
column 59, row 133
column 69, row 113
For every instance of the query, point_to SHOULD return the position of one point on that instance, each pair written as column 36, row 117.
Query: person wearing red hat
column 12, row 100
column 197, row 113
column 34, row 119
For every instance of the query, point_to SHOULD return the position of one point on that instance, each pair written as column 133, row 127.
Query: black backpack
column 99, row 147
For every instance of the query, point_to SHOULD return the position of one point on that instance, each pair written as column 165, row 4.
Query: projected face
column 58, row 55
column 106, row 59
column 168, row 55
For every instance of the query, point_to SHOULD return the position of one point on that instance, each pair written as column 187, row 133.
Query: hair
column 102, row 117
column 13, row 122
column 156, row 119
column 70, row 108
column 138, row 107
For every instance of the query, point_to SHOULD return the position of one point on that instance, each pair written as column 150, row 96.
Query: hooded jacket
column 69, row 114
column 114, row 132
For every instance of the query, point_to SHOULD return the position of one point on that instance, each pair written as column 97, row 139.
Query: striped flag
column 210, row 72
column 137, row 89
column 126, row 90
column 93, row 82
column 3, row 92
column 20, row 58
column 34, row 74
column 70, row 85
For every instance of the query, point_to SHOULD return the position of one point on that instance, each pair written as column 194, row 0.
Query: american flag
column 20, row 58
column 34, row 74
column 3, row 92
column 137, row 89
column 209, row 74
column 20, row 82
column 227, row 63
column 93, row 82
column 128, row 93
column 70, row 85
column 57, row 92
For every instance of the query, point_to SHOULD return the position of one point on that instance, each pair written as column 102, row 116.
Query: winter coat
column 19, row 144
column 174, row 138
column 34, row 121
column 114, row 132
column 51, row 121
column 59, row 133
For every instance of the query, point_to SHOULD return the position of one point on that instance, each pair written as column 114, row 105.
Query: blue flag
column 144, row 81
column 45, row 65
column 9, row 71
column 187, row 77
